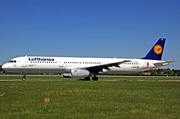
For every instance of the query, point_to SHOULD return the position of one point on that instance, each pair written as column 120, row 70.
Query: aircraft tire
column 95, row 78
column 24, row 78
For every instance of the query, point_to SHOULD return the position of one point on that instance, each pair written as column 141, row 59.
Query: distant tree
column 176, row 72
column 167, row 71
column 153, row 72
column 160, row 72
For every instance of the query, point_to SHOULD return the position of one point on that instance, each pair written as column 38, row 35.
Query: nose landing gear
column 24, row 77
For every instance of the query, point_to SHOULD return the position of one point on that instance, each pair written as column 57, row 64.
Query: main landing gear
column 94, row 78
column 24, row 77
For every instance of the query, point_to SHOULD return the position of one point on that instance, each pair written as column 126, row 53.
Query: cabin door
column 24, row 63
column 61, row 64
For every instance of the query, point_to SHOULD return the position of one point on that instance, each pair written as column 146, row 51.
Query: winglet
column 157, row 50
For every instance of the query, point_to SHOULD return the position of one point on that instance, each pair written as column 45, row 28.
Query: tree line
column 153, row 72
column 166, row 71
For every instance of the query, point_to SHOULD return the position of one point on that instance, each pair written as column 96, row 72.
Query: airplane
column 79, row 67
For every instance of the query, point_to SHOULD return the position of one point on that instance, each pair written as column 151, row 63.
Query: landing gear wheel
column 24, row 78
column 95, row 78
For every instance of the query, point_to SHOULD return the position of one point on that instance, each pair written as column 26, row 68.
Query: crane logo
column 158, row 49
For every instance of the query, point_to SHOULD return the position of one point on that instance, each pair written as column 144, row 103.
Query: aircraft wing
column 164, row 63
column 98, row 68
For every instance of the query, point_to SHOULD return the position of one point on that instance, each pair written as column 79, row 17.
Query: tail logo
column 158, row 49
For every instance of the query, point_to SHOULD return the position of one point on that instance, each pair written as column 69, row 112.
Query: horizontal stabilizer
column 164, row 63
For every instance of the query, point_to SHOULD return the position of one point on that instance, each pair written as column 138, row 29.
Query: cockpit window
column 12, row 61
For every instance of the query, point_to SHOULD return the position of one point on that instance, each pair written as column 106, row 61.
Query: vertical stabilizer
column 157, row 50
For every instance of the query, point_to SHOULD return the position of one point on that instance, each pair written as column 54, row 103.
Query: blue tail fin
column 157, row 50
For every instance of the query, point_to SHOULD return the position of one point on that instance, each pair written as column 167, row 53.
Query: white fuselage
column 37, row 64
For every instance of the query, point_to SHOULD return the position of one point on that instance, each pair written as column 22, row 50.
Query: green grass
column 109, row 98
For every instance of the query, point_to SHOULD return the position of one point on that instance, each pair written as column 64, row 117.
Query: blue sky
column 90, row 28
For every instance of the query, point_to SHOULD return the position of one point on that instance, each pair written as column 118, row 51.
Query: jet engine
column 76, row 73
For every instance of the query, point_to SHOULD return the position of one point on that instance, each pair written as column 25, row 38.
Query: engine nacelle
column 67, row 75
column 77, row 73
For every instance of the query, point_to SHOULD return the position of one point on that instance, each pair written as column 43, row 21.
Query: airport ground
column 111, row 97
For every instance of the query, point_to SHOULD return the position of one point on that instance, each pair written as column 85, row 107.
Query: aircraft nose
column 5, row 66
